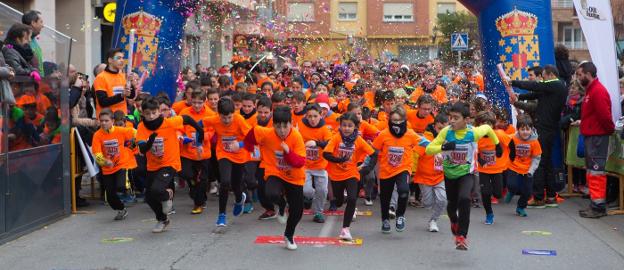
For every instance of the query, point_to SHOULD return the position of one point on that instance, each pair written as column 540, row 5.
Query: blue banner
column 517, row 34
column 159, row 28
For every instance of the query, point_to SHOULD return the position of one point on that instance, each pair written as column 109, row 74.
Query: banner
column 597, row 23
column 159, row 26
column 517, row 34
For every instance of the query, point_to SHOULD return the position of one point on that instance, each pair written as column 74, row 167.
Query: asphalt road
column 191, row 243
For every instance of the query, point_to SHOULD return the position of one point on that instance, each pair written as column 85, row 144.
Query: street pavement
column 191, row 242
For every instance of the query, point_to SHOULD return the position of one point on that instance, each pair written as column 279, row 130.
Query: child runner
column 158, row 140
column 396, row 145
column 283, row 153
column 527, row 159
column 429, row 174
column 315, row 135
column 113, row 156
column 458, row 142
column 344, row 151
column 490, row 167
column 230, row 129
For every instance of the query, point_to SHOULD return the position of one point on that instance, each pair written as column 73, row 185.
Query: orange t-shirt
column 165, row 151
column 370, row 99
column 439, row 94
column 419, row 124
column 314, row 157
column 189, row 150
column 343, row 105
column 43, row 103
column 511, row 130
column 396, row 154
column 368, row 131
column 487, row 152
column 112, row 146
column 332, row 122
column 235, row 132
column 429, row 170
column 179, row 106
column 346, row 170
column 296, row 119
column 273, row 154
column 525, row 151
column 113, row 84
column 476, row 79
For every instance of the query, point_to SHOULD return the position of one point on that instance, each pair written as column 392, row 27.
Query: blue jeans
column 520, row 184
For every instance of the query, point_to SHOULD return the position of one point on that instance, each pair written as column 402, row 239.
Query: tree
column 450, row 23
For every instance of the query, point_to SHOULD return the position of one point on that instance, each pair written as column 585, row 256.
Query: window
column 444, row 8
column 572, row 37
column 562, row 3
column 300, row 12
column 398, row 12
column 347, row 11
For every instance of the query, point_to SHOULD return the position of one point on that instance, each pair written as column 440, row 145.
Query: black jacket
column 15, row 60
column 551, row 97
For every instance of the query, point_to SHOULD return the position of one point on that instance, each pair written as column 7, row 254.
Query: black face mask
column 398, row 130
column 154, row 124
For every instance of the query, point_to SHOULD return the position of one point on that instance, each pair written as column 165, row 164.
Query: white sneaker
column 167, row 206
column 213, row 188
column 345, row 234
column 368, row 202
column 354, row 215
column 282, row 219
column 160, row 226
column 290, row 245
column 433, row 226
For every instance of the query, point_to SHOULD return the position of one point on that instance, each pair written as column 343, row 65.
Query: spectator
column 596, row 125
column 552, row 92
column 17, row 53
column 33, row 19
column 563, row 63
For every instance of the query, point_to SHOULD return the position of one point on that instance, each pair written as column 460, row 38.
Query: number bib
column 312, row 153
column 227, row 142
column 111, row 148
column 158, row 147
column 395, row 155
column 459, row 156
column 118, row 90
column 282, row 165
column 489, row 157
column 523, row 150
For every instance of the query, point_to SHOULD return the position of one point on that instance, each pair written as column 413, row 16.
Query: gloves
column 482, row 162
column 35, row 75
column 152, row 137
column 448, row 146
column 499, row 150
column 186, row 140
column 512, row 150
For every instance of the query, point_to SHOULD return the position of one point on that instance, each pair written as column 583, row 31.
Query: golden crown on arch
column 516, row 23
column 146, row 24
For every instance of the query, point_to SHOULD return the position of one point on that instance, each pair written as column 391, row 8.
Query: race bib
column 344, row 151
column 111, row 148
column 489, row 157
column 227, row 142
column 523, row 150
column 395, row 155
column 459, row 155
column 312, row 153
column 118, row 90
column 158, row 147
column 281, row 162
column 438, row 162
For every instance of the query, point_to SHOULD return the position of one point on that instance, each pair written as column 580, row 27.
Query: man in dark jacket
column 551, row 94
column 596, row 125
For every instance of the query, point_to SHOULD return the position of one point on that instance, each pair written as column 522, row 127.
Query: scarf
column 154, row 124
column 264, row 123
column 25, row 51
column 320, row 123
column 349, row 141
column 247, row 115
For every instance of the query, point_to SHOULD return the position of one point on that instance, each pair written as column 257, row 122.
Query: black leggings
column 195, row 173
column 231, row 176
column 458, row 196
column 156, row 192
column 112, row 184
column 491, row 185
column 276, row 189
column 387, row 187
column 351, row 185
column 249, row 179
column 264, row 201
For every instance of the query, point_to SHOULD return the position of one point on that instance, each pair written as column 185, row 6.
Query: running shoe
column 461, row 243
column 269, row 214
column 237, row 210
column 368, row 202
column 248, row 208
column 345, row 234
column 400, row 224
column 392, row 213
column 282, row 219
column 319, row 218
column 197, row 210
column 489, row 219
column 551, row 202
column 221, row 220
column 160, row 226
column 167, row 206
column 354, row 215
column 536, row 204
column 433, row 226
column 508, row 197
column 385, row 226
column 521, row 212
column 290, row 243
column 121, row 214
column 494, row 200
